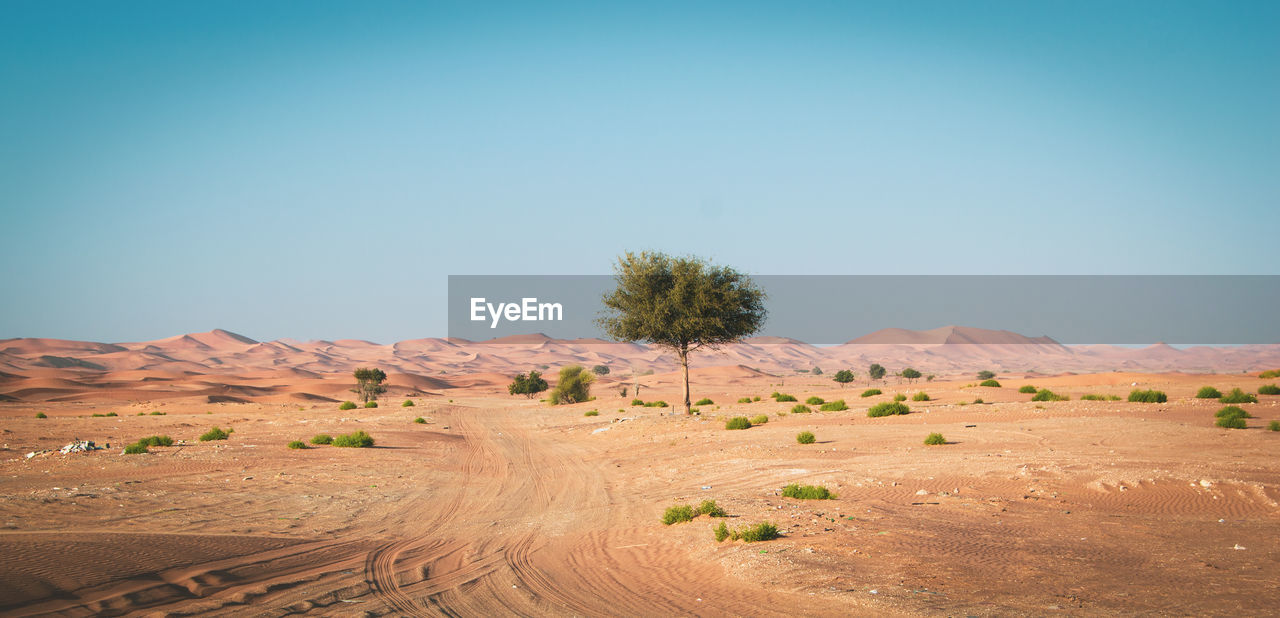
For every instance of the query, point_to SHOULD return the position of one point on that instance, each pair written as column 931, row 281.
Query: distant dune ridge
column 224, row 366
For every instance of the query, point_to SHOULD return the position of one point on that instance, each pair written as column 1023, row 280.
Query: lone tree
column 986, row 374
column 844, row 376
column 600, row 370
column 910, row 374
column 527, row 385
column 574, row 386
column 369, row 383
column 876, row 371
column 681, row 303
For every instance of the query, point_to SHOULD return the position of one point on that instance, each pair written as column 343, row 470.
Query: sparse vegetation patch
column 1045, row 394
column 357, row 439
column 807, row 492
column 888, row 409
column 1269, row 389
column 805, row 437
column 800, row 408
column 990, row 383
column 347, row 405
column 738, row 422
column 871, row 392
column 920, row 396
column 215, row 434
column 834, row 406
column 760, row 420
column 935, row 439
column 1027, row 388
column 1208, row 392
column 322, row 438
column 1238, row 396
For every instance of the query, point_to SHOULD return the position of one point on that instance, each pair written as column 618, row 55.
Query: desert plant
column 1208, row 392
column 1147, row 396
column 297, row 444
column 990, row 383
column 1273, row 426
column 695, row 411
column 842, row 377
column 1270, row 373
column 527, row 384
column 637, row 402
column 156, row 441
column 1232, row 411
column 370, row 404
column 805, row 437
column 591, row 413
column 420, row 420
column 408, row 403
column 934, row 439
column 711, row 509
column 888, row 409
column 920, row 396
column 722, row 532
column 738, row 422
column 704, row 402
column 876, row 371
column 910, row 374
column 756, row 398
column 815, row 401
column 322, row 438
column 347, row 405
column 807, row 492
column 41, row 415
column 655, row 404
column 1045, row 394
column 978, row 400
column 1027, row 388
column 834, row 406
column 600, row 370
column 1232, row 422
column 137, row 448
column 574, row 386
column 899, row 397
column 677, row 514
column 745, row 400
column 783, row 397
column 760, row 420
column 800, row 408
column 871, row 392
column 357, row 439
column 158, row 413
column 215, row 434
column 1269, row 389
column 753, row 534
column 986, row 375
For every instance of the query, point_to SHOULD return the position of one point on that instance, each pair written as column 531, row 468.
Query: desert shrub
column 529, row 384
column 1027, row 388
column 637, row 402
column 704, row 402
column 920, row 396
column 986, row 374
column 215, row 434
column 760, row 420
column 157, row 441
column 834, row 406
column 899, row 397
column 322, row 438
column 871, row 392
column 1269, row 389
column 738, row 422
column 756, row 398
column 1273, row 426
column 800, row 408
column 1238, row 396
column 158, row 413
column 805, row 437
column 978, row 400
column 807, row 492
column 1232, row 411
column 1045, row 394
column 420, row 420
column 98, row 415
column 357, row 439
column 991, row 383
column 1232, row 422
column 722, row 532
column 783, row 397
column 677, row 514
column 1148, row 396
column 1208, row 392
column 591, row 413
column 297, row 444
column 1093, row 397
column 888, row 409
column 934, row 439
column 711, row 509
column 137, row 448
column 1270, row 373
column 815, row 401
column 347, row 405
column 694, row 411
column 370, row 404
column 745, row 400
column 112, row 414
column 600, row 370
column 574, row 386
column 656, row 404
column 41, row 415
column 408, row 403
column 760, row 532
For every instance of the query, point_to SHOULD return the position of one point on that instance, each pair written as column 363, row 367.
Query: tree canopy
column 369, row 383
column 876, row 371
column 527, row 385
column 844, row 376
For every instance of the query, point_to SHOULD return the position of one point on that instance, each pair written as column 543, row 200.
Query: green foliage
column 876, row 371
column 678, row 514
column 704, row 402
column 529, row 384
column 871, row 392
column 760, row 420
column 800, row 408
column 420, row 420
column 1027, row 388
column 815, row 401
column 1232, row 411
column 408, row 403
column 738, row 422
column 600, row 370
column 807, row 492
column 710, row 509
column 745, row 400
column 357, row 439
column 756, row 398
column 888, row 409
column 1273, row 426
column 920, row 396
column 574, row 386
column 834, row 406
column 322, row 438
column 297, row 444
column 990, row 383
column 1270, row 373
column 899, row 397
column 157, row 441
column 805, row 437
column 215, row 434
column 591, row 413
column 844, row 376
column 137, row 448
column 656, row 404
column 1232, row 422
column 722, row 532
column 370, row 404
column 158, row 413
column 637, row 402
column 910, row 374
column 986, row 375
column 783, row 397
column 369, row 383
column 1148, row 396
column 817, row 371
column 347, row 405
column 41, row 415
column 1045, row 394
column 1095, row 397
column 754, row 534
column 935, row 439
column 1238, row 396
column 1269, row 389
column 978, row 400
column 1208, row 392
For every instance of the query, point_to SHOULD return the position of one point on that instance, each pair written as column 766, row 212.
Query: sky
column 318, row 169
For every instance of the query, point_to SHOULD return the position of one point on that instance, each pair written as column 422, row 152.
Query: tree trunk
column 684, row 365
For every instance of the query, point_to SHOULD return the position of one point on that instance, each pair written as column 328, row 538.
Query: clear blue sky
column 316, row 170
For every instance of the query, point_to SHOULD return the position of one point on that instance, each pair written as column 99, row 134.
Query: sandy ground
column 501, row 505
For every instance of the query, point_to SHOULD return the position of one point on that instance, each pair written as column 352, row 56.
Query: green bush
column 888, row 409
column 408, row 403
column 986, row 374
column 296, row 444
column 781, row 398
column 760, row 420
column 745, row 400
column 710, row 509
column 695, row 411
column 420, row 420
column 156, row 441
column 158, row 413
column 574, row 386
column 1232, row 422
column 591, row 413
column 807, row 492
column 347, row 405
column 1027, row 388
column 1270, row 373
column 871, row 392
column 738, row 422
column 656, row 404
column 322, row 438
column 637, row 402
column 800, row 408
column 899, row 397
column 1238, row 396
column 1269, row 389
column 1273, row 426
column 370, row 404
column 754, row 534
column 978, row 400
column 805, row 437
column 935, row 439
column 1045, row 394
column 834, row 406
column 41, row 415
column 1232, row 411
column 704, row 402
column 991, row 383
column 677, row 514
column 722, row 532
column 137, row 448
column 1208, row 392
column 1149, row 396
column 815, row 401
column 1095, row 397
column 215, row 434
column 756, row 398
column 358, row 439
column 920, row 396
